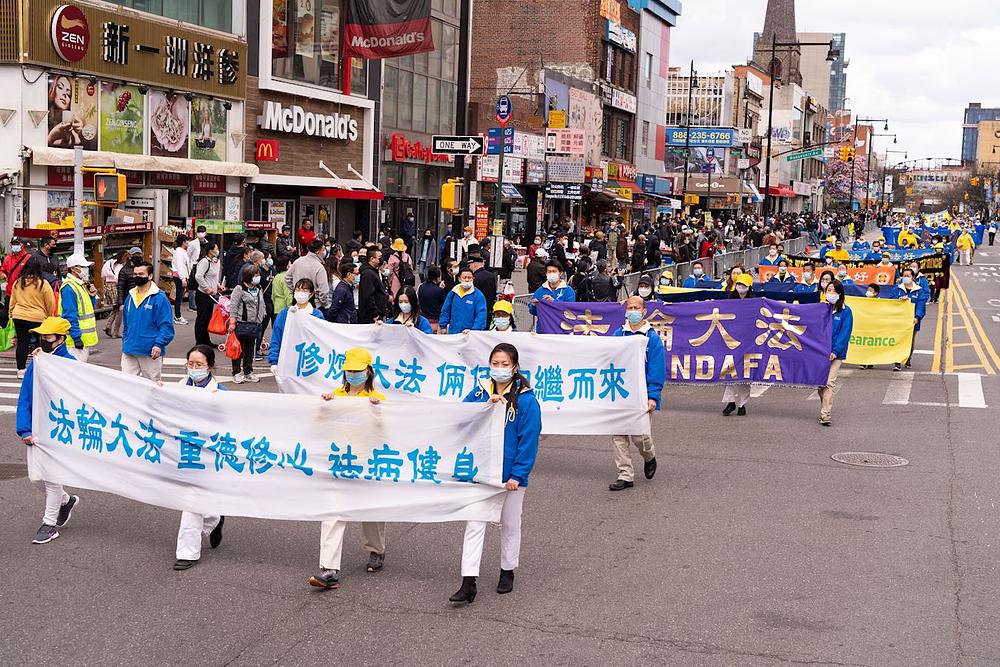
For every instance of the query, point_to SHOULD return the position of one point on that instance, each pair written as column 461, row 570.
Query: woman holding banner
column 843, row 323
column 909, row 288
column 736, row 396
column 520, row 447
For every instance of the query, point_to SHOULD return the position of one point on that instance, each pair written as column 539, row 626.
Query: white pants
column 510, row 537
column 80, row 354
column 146, row 367
column 965, row 257
column 194, row 528
column 331, row 541
column 55, row 497
column 736, row 393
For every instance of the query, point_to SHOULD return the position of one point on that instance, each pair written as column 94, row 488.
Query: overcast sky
column 916, row 62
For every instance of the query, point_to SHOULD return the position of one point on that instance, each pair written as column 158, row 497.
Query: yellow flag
column 883, row 329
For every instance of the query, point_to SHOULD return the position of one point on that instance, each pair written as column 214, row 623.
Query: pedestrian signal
column 109, row 189
column 451, row 195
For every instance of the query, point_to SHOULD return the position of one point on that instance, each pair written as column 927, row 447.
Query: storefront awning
column 344, row 193
column 63, row 157
column 754, row 193
column 511, row 191
column 781, row 191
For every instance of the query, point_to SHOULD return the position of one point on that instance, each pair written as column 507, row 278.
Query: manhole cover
column 13, row 470
column 870, row 459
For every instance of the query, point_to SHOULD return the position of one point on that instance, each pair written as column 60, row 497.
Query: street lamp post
column 854, row 144
column 692, row 84
column 868, row 175
column 885, row 170
column 831, row 56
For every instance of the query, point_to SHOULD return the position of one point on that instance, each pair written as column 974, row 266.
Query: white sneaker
column 20, row 374
column 252, row 378
column 180, row 320
column 239, row 378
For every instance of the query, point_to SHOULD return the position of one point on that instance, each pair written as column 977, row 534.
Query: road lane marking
column 938, row 329
column 987, row 344
column 970, row 391
column 898, row 391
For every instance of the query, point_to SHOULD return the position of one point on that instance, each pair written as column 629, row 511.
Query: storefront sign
column 566, row 169
column 513, row 169
column 611, row 10
column 266, row 150
column 529, row 146
column 293, row 119
column 259, row 226
column 621, row 171
column 221, row 226
column 134, row 48
column 619, row 99
column 232, row 209
column 563, row 191
column 402, row 149
column 140, row 202
column 209, row 183
column 648, row 182
column 127, row 228
column 276, row 213
column 62, row 177
column 557, row 119
column 168, row 179
column 618, row 34
column 569, row 141
column 802, row 188
column 624, row 193
column 534, row 173
column 482, row 221
column 375, row 29
column 591, row 173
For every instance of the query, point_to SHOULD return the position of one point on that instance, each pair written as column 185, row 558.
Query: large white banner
column 264, row 455
column 586, row 385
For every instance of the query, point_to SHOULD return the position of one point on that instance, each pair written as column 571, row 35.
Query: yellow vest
column 85, row 313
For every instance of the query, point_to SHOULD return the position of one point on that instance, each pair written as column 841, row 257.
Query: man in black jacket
column 232, row 263
column 126, row 281
column 46, row 256
column 373, row 297
column 485, row 281
column 342, row 309
column 284, row 245
column 536, row 270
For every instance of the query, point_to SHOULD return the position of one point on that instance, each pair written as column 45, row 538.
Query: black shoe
column 325, row 579
column 620, row 484
column 66, row 511
column 649, row 468
column 215, row 537
column 466, row 594
column 896, row 367
column 182, row 564
column 742, row 412
column 729, row 409
column 375, row 562
column 908, row 364
column 506, row 584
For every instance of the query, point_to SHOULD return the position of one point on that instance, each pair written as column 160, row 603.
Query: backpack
column 600, row 288
column 405, row 273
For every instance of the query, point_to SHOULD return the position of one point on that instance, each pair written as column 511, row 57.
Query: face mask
column 302, row 297
column 870, row 295
column 255, row 280
column 772, row 253
column 538, row 242
column 782, row 270
column 453, row 272
column 829, row 260
column 644, row 292
column 270, row 262
column 354, row 257
column 405, row 308
column 501, row 375
column 807, row 276
column 634, row 316
column 841, row 274
column 197, row 374
column 664, row 281
column 136, row 261
column 357, row 280
column 552, row 277
column 915, row 270
column 907, row 280
column 832, row 298
column 84, row 273
column 15, row 249
column 141, row 281
column 356, row 378
column 201, row 235
column 698, row 272
column 742, row 289
column 47, row 345
column 386, row 272
column 501, row 322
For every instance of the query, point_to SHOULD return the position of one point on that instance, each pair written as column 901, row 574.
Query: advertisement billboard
column 703, row 136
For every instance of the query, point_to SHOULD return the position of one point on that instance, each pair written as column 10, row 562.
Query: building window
column 420, row 92
column 617, row 134
column 618, row 67
column 647, row 73
column 645, row 138
column 305, row 45
column 215, row 14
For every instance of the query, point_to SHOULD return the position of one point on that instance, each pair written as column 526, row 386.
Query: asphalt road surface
column 750, row 547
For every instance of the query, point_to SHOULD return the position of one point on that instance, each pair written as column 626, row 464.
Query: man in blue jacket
column 698, row 279
column 59, row 505
column 909, row 288
column 553, row 289
column 464, row 308
column 148, row 326
column 656, row 374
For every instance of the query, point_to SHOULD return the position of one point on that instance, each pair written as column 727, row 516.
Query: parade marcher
column 148, row 326
column 808, row 282
column 645, row 288
column 194, row 527
column 311, row 266
column 871, row 293
column 966, row 246
column 536, row 269
column 503, row 317
column 59, row 505
column 464, row 307
column 77, row 298
column 304, row 295
column 207, row 275
column 373, row 297
column 408, row 311
column 359, row 382
column 736, row 396
column 842, row 274
column 180, row 268
column 782, row 277
column 839, row 253
column 843, row 323
column 665, row 282
column 247, row 309
column 909, row 288
column 109, row 275
column 734, row 273
column 13, row 263
column 342, row 308
column 656, row 374
column 698, row 277
column 554, row 288
column 522, row 427
column 31, row 301
column 431, row 296
column 772, row 257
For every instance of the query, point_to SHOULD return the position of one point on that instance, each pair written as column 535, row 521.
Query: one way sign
column 448, row 145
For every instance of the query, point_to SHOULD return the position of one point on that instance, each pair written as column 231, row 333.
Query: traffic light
column 691, row 200
column 843, row 154
column 975, row 181
column 109, row 189
column 851, row 152
column 451, row 195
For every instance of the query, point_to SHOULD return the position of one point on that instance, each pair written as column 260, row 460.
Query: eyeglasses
column 197, row 364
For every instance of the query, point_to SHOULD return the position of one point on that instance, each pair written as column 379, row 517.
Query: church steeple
column 779, row 21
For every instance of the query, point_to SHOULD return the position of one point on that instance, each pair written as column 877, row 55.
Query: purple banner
column 724, row 341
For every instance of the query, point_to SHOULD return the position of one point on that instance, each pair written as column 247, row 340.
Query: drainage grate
column 870, row 459
column 13, row 470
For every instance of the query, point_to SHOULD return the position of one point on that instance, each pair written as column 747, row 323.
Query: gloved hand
column 78, row 343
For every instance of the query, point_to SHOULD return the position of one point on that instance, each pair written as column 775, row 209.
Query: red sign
column 62, row 177
column 209, row 183
column 403, row 150
column 482, row 221
column 266, row 150
column 260, row 225
column 70, row 33
column 620, row 171
column 590, row 173
column 168, row 179
column 375, row 29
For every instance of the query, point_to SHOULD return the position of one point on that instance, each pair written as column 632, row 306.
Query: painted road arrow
column 448, row 145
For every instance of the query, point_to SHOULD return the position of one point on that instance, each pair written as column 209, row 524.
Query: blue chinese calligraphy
column 343, row 466
column 91, row 429
column 425, row 464
column 152, row 442
column 410, row 376
column 224, row 446
column 191, row 444
column 613, row 383
column 308, row 360
column 465, row 466
column 384, row 464
column 62, row 429
column 452, row 380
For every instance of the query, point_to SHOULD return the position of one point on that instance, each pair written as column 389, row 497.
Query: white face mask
column 466, row 285
column 302, row 297
column 644, row 292
column 832, row 297
column 841, row 274
column 742, row 289
column 84, row 273
column 201, row 235
column 552, row 277
column 15, row 249
column 698, row 272
column 806, row 276
column 405, row 307
column 782, row 269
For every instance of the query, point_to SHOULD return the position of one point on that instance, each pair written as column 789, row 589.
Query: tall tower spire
column 779, row 22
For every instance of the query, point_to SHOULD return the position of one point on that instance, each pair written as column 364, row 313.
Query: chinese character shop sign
column 135, row 48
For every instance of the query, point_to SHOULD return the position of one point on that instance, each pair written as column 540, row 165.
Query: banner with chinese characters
column 264, row 455
column 586, row 386
column 862, row 274
column 935, row 267
column 723, row 341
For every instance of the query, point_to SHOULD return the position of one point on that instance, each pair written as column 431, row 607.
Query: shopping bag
column 7, row 336
column 219, row 324
column 233, row 348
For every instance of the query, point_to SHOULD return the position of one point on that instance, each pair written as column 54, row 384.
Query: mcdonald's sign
column 267, row 150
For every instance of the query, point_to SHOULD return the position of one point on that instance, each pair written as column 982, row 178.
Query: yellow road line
column 949, row 354
column 987, row 344
column 964, row 313
column 938, row 328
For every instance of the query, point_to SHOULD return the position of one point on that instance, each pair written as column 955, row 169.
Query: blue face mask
column 356, row 378
column 501, row 322
column 198, row 375
column 501, row 375
column 634, row 316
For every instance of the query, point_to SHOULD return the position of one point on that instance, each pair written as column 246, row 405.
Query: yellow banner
column 883, row 329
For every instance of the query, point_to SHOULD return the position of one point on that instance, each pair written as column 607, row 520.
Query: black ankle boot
column 742, row 412
column 466, row 594
column 506, row 584
column 729, row 409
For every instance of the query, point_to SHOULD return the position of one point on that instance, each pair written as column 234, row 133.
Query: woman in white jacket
column 180, row 268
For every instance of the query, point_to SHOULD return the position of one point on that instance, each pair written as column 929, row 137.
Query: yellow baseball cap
column 503, row 306
column 667, row 274
column 355, row 359
column 744, row 279
column 53, row 326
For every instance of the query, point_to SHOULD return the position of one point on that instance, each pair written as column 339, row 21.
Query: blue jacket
column 520, row 432
column 843, row 323
column 805, row 287
column 789, row 279
column 562, row 292
column 463, row 312
column 27, row 394
column 148, row 325
column 278, row 330
column 423, row 324
column 342, row 309
column 860, row 245
column 918, row 297
column 702, row 281
column 71, row 310
column 656, row 360
column 767, row 261
column 874, row 257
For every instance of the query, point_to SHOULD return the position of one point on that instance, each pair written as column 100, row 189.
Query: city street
column 751, row 546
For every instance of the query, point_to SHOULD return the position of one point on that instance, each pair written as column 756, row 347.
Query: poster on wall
column 169, row 124
column 72, row 113
column 279, row 28
column 122, row 111
column 329, row 33
column 586, row 111
column 208, row 129
column 305, row 28
column 375, row 29
column 60, row 208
